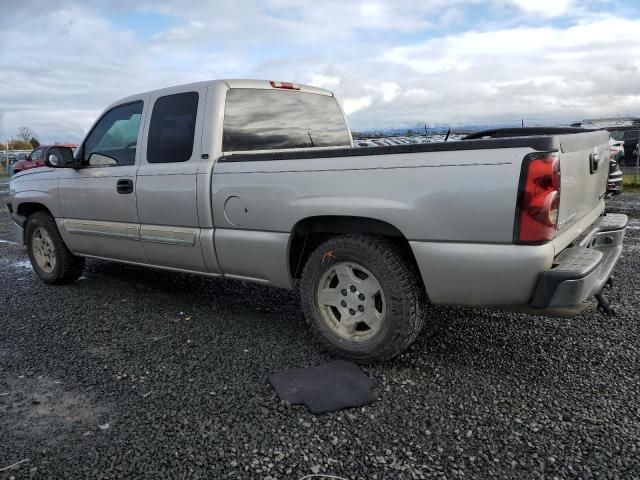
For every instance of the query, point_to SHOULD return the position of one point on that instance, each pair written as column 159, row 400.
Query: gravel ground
column 134, row 373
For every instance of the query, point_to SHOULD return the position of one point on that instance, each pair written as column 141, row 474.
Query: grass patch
column 631, row 183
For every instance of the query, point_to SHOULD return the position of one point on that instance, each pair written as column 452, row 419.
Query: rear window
column 172, row 128
column 275, row 119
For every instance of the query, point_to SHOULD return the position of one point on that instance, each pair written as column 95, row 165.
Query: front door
column 98, row 200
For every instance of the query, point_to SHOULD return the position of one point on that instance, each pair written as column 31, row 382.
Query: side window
column 113, row 140
column 617, row 136
column 36, row 154
column 172, row 128
column 631, row 134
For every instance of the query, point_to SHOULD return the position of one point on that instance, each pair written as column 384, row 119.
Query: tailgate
column 584, row 167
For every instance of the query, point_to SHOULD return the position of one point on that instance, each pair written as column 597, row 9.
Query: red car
column 36, row 158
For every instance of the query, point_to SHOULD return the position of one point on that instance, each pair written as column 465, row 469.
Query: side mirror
column 60, row 157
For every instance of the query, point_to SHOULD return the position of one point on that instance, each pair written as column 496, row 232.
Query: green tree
column 20, row 145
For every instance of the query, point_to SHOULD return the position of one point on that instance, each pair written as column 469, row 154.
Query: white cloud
column 391, row 62
column 324, row 81
column 371, row 9
column 352, row 105
column 383, row 91
column 547, row 8
column 545, row 72
column 389, row 90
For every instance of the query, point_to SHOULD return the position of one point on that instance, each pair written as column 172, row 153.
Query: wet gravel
column 134, row 373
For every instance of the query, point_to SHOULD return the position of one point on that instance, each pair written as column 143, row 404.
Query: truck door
column 98, row 200
column 167, row 179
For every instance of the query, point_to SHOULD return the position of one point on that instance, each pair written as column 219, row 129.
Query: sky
column 391, row 63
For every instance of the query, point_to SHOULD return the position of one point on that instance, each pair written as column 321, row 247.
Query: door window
column 172, row 128
column 617, row 136
column 631, row 135
column 36, row 154
column 112, row 142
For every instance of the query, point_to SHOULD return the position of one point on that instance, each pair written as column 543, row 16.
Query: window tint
column 631, row 134
column 172, row 127
column 113, row 140
column 617, row 135
column 277, row 119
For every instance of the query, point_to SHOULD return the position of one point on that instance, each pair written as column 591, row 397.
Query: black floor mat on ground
column 327, row 388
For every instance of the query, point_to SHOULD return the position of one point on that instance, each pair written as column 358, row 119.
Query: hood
column 30, row 171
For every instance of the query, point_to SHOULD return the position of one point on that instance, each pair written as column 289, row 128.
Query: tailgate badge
column 570, row 219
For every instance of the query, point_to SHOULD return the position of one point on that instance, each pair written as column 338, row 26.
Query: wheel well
column 29, row 208
column 309, row 233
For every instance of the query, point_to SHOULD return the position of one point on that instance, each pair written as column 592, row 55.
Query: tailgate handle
column 594, row 162
column 125, row 185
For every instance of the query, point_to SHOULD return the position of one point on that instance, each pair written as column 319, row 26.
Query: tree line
column 26, row 140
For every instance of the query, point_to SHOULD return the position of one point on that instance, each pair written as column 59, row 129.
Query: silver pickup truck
column 259, row 181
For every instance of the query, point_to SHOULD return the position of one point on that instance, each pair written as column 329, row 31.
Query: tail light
column 286, row 85
column 538, row 199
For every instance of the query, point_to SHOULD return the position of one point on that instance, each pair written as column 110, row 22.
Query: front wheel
column 362, row 298
column 50, row 257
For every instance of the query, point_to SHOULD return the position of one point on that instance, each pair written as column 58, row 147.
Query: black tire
column 401, row 288
column 68, row 267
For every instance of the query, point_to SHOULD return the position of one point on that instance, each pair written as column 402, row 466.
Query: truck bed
column 538, row 143
column 455, row 202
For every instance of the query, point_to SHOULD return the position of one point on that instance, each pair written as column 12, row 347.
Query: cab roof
column 230, row 83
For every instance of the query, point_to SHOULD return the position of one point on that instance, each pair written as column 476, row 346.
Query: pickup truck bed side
column 455, row 268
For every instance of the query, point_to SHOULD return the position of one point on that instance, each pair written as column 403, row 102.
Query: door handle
column 594, row 162
column 125, row 185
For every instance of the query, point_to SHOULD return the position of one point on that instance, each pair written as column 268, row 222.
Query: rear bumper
column 582, row 269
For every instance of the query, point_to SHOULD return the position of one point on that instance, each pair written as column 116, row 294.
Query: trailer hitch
column 604, row 307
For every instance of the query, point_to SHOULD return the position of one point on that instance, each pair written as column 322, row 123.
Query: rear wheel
column 50, row 257
column 361, row 298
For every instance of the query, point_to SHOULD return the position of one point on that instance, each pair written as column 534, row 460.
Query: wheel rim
column 44, row 251
column 351, row 301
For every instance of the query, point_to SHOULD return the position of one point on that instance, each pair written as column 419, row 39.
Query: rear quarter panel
column 453, row 196
column 461, row 196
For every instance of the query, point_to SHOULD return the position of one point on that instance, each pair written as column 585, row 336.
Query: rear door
column 167, row 179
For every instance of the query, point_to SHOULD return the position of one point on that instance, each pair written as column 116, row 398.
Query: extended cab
column 259, row 181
